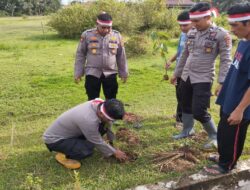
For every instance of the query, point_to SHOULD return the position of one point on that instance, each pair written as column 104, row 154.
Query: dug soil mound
column 132, row 118
column 127, row 136
column 180, row 160
column 132, row 156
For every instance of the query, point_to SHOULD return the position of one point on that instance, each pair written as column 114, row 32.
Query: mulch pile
column 180, row 160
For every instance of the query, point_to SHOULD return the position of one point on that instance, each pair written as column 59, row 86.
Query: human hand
column 121, row 156
column 173, row 80
column 235, row 117
column 168, row 64
column 78, row 79
column 124, row 79
column 217, row 90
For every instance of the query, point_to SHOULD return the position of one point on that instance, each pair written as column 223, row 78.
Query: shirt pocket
column 209, row 47
column 94, row 48
column 113, row 48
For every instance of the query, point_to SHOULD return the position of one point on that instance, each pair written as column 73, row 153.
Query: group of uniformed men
column 101, row 55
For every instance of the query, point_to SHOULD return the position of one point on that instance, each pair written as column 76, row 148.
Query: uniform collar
column 209, row 29
column 97, row 33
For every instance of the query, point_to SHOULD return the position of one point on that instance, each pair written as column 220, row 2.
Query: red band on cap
column 239, row 17
column 102, row 109
column 104, row 22
column 199, row 14
column 183, row 22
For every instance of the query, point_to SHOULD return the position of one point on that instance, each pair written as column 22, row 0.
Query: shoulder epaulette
column 115, row 31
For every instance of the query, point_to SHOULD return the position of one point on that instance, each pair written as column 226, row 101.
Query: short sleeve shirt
column 237, row 81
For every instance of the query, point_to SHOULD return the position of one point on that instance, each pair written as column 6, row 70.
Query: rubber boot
column 188, row 124
column 212, row 134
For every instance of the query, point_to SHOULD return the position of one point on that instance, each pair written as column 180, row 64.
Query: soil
column 126, row 135
column 180, row 160
column 132, row 118
column 132, row 156
column 165, row 77
column 199, row 137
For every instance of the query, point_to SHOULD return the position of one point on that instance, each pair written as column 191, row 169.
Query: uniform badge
column 113, row 38
column 93, row 38
column 213, row 34
column 192, row 35
column 94, row 51
column 208, row 46
column 208, row 50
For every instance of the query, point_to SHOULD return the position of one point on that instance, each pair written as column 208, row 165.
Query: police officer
column 185, row 25
column 197, row 68
column 100, row 56
column 77, row 131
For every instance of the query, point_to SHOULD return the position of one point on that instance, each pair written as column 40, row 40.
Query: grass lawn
column 36, row 69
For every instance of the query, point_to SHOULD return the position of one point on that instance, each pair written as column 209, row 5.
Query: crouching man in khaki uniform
column 76, row 132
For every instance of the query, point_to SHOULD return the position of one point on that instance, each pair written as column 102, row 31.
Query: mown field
column 36, row 71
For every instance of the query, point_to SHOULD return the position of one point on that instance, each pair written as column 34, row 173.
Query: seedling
column 160, row 45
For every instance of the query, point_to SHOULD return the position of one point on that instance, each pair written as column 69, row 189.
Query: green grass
column 37, row 85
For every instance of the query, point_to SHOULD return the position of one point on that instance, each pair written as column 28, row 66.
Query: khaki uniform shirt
column 201, row 49
column 80, row 120
column 98, row 54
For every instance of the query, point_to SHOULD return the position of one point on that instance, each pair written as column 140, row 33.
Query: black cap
column 103, row 16
column 202, row 6
column 114, row 108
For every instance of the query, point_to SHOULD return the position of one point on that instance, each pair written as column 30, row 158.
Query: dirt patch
column 132, row 118
column 132, row 156
column 126, row 135
column 182, row 159
column 199, row 137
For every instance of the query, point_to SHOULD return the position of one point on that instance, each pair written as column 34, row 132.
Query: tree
column 29, row 7
column 225, row 5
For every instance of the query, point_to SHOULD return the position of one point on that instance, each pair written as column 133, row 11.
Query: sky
column 65, row 2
